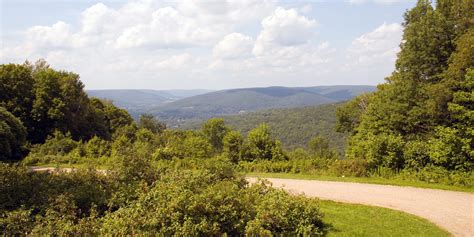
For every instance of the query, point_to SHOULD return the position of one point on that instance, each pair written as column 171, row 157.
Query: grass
column 360, row 220
column 371, row 180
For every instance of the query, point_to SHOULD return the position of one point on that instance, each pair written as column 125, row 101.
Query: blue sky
column 207, row 44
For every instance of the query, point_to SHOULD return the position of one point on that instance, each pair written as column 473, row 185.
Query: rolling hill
column 293, row 126
column 137, row 102
column 241, row 101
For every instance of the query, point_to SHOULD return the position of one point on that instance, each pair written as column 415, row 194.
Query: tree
column 348, row 115
column 320, row 147
column 116, row 117
column 149, row 122
column 16, row 91
column 260, row 145
column 46, row 100
column 215, row 129
column 426, row 97
column 233, row 142
column 12, row 136
column 196, row 147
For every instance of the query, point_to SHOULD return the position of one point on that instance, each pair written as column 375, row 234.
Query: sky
column 146, row 44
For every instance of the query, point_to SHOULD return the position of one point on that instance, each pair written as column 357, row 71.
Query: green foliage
column 348, row 115
column 16, row 91
column 149, row 122
column 54, row 149
column 186, row 197
column 196, row 147
column 46, row 100
column 320, row 147
column 238, row 101
column 293, row 131
column 422, row 116
column 449, row 149
column 12, row 136
column 350, row 167
column 379, row 150
column 233, row 144
column 278, row 212
column 261, row 146
column 97, row 147
column 215, row 130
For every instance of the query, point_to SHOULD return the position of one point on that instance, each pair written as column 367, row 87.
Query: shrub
column 97, row 147
column 350, row 167
column 277, row 212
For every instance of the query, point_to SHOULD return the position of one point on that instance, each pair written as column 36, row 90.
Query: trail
column 453, row 211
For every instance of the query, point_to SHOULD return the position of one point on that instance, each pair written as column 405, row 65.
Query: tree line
column 36, row 100
column 422, row 117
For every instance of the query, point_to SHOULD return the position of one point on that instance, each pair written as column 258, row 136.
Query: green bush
column 277, row 212
column 97, row 147
column 350, row 167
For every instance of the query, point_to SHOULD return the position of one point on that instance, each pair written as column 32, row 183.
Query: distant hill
column 240, row 101
column 140, row 101
column 294, row 126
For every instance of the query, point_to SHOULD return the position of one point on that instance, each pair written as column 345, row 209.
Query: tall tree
column 416, row 103
column 12, row 136
column 215, row 129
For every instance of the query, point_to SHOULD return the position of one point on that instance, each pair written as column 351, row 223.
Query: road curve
column 453, row 211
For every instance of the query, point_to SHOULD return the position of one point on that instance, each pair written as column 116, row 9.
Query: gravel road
column 453, row 211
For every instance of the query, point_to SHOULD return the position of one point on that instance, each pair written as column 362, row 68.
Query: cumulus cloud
column 167, row 28
column 234, row 46
column 56, row 36
column 285, row 27
column 283, row 45
column 378, row 46
column 156, row 40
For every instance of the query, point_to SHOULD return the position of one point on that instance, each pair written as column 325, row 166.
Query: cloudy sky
column 207, row 44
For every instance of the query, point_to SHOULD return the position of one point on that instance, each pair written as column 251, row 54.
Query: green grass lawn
column 360, row 220
column 371, row 180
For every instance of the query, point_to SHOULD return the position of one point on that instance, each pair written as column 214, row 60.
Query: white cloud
column 198, row 44
column 175, row 62
column 56, row 36
column 377, row 1
column 379, row 46
column 168, row 28
column 226, row 11
column 234, row 46
column 284, row 28
column 283, row 45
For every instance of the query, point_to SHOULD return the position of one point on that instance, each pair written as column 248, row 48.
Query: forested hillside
column 293, row 127
column 423, row 116
column 238, row 101
column 138, row 102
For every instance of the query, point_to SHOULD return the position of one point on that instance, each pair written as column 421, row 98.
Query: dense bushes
column 184, row 197
column 259, row 153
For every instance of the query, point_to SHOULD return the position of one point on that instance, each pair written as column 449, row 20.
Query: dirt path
column 453, row 211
